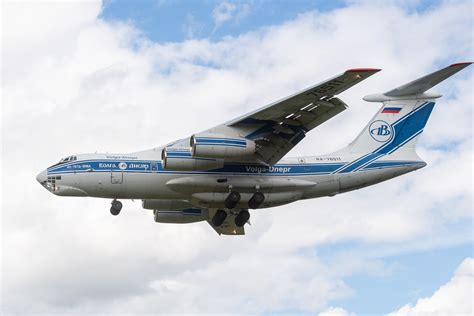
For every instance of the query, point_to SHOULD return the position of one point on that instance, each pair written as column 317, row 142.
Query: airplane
column 219, row 174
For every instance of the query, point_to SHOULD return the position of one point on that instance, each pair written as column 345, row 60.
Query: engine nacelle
column 165, row 205
column 221, row 146
column 183, row 216
column 181, row 159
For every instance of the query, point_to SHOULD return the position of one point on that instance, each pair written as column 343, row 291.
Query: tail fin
column 401, row 119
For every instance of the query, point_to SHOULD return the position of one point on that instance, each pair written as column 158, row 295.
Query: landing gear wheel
column 256, row 200
column 232, row 199
column 116, row 207
column 242, row 218
column 219, row 218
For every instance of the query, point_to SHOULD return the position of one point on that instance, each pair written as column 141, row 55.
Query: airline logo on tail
column 381, row 131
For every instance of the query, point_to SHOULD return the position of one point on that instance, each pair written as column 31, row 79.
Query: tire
column 116, row 207
column 232, row 199
column 219, row 218
column 256, row 200
column 242, row 218
column 114, row 211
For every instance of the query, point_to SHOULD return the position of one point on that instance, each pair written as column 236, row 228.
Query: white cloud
column 227, row 11
column 80, row 84
column 223, row 12
column 456, row 297
column 334, row 311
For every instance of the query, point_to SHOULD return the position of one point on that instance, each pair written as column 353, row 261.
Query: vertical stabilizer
column 396, row 124
column 400, row 121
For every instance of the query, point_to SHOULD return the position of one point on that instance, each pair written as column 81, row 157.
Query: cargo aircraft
column 219, row 174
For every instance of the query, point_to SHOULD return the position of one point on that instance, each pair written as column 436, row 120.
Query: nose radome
column 42, row 176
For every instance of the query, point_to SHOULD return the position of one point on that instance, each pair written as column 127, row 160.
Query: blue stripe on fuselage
column 237, row 169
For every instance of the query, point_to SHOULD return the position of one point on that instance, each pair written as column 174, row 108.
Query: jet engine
column 180, row 159
column 183, row 216
column 221, row 146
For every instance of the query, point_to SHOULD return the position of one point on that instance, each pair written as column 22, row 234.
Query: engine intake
column 221, row 146
column 181, row 159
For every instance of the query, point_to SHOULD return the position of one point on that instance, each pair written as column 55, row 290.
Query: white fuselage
column 142, row 176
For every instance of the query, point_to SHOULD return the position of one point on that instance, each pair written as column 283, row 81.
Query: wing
column 228, row 227
column 278, row 127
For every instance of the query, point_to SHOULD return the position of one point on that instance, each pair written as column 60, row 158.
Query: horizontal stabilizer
column 425, row 83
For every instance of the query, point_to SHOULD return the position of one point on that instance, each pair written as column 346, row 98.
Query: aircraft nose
column 42, row 176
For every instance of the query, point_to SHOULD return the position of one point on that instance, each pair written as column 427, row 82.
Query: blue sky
column 370, row 251
column 416, row 273
column 171, row 20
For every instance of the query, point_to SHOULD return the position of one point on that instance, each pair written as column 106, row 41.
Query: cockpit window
column 64, row 160
column 69, row 158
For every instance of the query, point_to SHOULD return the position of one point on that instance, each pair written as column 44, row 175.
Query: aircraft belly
column 327, row 185
column 216, row 199
column 242, row 184
column 128, row 185
column 149, row 186
column 211, row 190
column 360, row 179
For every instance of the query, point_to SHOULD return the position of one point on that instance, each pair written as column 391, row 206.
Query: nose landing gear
column 116, row 207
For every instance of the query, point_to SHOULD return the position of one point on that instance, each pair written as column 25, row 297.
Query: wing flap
column 273, row 146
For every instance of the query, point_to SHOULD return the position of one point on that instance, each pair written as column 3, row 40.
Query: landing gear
column 219, row 217
column 116, row 207
column 256, row 200
column 232, row 199
column 242, row 218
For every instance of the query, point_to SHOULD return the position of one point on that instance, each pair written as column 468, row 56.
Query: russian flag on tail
column 392, row 110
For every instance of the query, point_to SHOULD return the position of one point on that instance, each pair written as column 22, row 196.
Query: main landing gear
column 116, row 207
column 232, row 199
column 242, row 218
column 219, row 218
column 231, row 202
column 256, row 200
